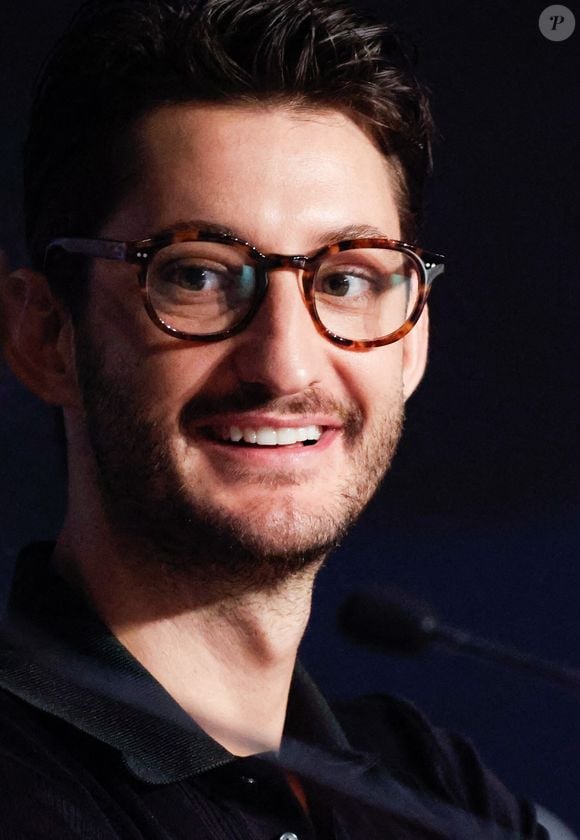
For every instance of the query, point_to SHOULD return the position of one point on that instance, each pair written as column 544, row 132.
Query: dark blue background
column 480, row 512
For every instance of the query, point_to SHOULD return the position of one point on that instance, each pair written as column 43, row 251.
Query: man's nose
column 281, row 348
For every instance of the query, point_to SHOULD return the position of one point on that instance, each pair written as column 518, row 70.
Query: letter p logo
column 557, row 23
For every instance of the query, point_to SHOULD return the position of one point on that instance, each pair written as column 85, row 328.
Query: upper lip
column 260, row 421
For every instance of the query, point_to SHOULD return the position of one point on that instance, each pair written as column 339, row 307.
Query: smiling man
column 218, row 194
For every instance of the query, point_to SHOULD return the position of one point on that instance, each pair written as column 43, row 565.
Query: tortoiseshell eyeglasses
column 199, row 285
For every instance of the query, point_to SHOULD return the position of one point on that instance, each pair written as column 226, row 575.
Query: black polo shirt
column 93, row 747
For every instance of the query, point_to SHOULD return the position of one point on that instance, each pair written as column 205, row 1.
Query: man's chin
column 251, row 548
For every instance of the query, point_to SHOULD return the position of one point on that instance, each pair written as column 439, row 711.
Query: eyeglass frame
column 140, row 252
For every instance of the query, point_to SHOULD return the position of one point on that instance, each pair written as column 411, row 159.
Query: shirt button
column 248, row 780
column 288, row 835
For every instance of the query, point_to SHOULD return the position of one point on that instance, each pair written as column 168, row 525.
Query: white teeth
column 267, row 436
column 250, row 436
column 286, row 436
column 313, row 432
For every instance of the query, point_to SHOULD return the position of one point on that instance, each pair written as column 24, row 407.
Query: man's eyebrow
column 329, row 237
column 325, row 237
column 199, row 224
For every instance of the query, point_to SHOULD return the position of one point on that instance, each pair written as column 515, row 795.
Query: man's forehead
column 251, row 179
column 234, row 130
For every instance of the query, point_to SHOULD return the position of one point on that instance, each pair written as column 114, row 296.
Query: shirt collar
column 58, row 656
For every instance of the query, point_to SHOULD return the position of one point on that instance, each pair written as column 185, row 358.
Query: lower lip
column 292, row 455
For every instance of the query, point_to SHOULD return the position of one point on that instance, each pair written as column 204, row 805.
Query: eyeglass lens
column 201, row 288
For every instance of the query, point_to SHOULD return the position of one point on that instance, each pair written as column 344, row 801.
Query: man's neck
column 225, row 656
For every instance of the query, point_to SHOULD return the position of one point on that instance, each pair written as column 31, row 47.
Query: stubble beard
column 179, row 533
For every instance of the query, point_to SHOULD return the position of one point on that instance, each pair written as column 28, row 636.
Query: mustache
column 253, row 396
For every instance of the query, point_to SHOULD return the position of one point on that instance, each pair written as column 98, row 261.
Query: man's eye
column 343, row 284
column 196, row 278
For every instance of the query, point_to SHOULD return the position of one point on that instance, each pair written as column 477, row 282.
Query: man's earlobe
column 415, row 347
column 37, row 337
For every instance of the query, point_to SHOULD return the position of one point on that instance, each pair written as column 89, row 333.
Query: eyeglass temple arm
column 106, row 249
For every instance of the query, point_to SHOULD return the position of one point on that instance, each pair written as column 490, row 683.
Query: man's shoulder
column 430, row 759
column 30, row 745
column 43, row 786
column 23, row 731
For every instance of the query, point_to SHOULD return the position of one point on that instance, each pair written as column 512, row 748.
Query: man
column 217, row 194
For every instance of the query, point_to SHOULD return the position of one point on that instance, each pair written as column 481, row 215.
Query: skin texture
column 218, row 547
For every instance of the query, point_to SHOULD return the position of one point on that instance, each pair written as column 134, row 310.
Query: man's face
column 158, row 407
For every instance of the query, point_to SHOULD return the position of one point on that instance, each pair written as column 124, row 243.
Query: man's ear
column 415, row 346
column 37, row 337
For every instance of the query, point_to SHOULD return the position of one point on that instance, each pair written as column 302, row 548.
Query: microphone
column 392, row 622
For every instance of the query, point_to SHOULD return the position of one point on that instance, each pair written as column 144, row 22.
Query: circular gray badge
column 557, row 23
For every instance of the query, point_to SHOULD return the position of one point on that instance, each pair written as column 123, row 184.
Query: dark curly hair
column 120, row 59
